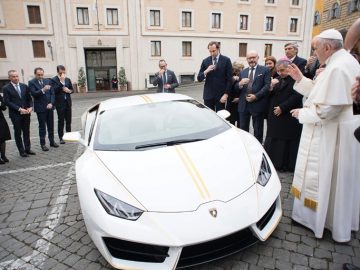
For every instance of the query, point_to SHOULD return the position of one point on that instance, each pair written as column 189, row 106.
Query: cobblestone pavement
column 41, row 226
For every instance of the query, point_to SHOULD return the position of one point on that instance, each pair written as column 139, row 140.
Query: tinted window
column 128, row 127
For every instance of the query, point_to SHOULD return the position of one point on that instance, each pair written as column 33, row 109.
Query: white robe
column 329, row 153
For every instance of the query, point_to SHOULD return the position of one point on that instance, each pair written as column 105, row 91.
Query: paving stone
column 240, row 266
column 281, row 255
column 306, row 250
column 282, row 265
column 341, row 258
column 20, row 206
column 289, row 246
column 71, row 260
column 82, row 264
column 322, row 253
column 266, row 262
column 93, row 255
column 15, row 216
column 344, row 249
column 298, row 259
column 84, row 250
column 292, row 237
column 315, row 263
column 310, row 241
column 300, row 267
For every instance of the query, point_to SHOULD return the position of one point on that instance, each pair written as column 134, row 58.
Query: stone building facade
column 104, row 35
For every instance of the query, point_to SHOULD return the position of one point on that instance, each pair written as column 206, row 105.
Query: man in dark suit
column 216, row 70
column 44, row 100
column 63, row 89
column 254, row 91
column 165, row 79
column 17, row 97
column 291, row 51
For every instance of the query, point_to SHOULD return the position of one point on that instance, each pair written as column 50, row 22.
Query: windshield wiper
column 167, row 143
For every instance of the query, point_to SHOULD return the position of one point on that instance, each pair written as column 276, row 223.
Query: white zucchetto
column 331, row 34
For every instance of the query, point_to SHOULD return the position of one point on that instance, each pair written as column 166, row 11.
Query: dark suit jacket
column 13, row 100
column 170, row 79
column 60, row 100
column 218, row 81
column 260, row 88
column 300, row 62
column 41, row 100
column 284, row 126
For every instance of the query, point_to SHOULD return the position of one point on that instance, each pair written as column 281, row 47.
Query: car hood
column 182, row 177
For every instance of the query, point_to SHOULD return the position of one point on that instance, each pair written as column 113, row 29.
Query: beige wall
column 230, row 15
column 132, row 37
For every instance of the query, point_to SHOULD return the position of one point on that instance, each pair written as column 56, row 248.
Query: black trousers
column 214, row 104
column 21, row 125
column 46, row 120
column 257, row 121
column 64, row 115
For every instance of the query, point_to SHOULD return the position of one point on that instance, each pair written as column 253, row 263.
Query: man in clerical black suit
column 216, row 70
column 291, row 51
column 254, row 91
column 63, row 89
column 44, row 100
column 165, row 79
column 17, row 97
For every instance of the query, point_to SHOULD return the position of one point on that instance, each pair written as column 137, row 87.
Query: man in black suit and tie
column 17, row 97
column 63, row 89
column 44, row 100
column 165, row 79
column 216, row 70
column 254, row 91
column 291, row 51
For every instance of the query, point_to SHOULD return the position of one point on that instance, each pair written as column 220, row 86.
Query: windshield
column 130, row 128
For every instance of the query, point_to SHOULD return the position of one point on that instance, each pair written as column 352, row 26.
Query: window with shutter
column 2, row 49
column 34, row 14
column 38, row 48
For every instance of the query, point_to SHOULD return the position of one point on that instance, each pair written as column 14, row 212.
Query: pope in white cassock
column 326, row 181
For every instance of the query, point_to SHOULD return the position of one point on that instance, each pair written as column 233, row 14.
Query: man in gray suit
column 165, row 79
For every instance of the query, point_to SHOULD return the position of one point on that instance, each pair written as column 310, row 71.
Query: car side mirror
column 224, row 114
column 74, row 137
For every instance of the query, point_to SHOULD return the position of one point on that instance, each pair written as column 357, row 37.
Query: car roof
column 114, row 103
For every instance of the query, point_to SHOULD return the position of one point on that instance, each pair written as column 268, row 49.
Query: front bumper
column 169, row 240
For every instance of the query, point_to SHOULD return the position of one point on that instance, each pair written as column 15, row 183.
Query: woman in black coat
column 233, row 99
column 283, row 130
column 4, row 132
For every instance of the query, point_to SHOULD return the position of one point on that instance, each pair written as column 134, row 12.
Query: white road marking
column 38, row 256
column 37, row 168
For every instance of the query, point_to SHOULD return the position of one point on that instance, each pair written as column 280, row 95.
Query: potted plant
column 82, row 80
column 122, row 79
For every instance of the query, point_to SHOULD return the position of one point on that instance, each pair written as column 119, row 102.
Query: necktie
column 18, row 90
column 41, row 83
column 215, row 61
column 251, row 80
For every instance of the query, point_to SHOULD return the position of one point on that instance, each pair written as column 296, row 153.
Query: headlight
column 118, row 208
column 264, row 173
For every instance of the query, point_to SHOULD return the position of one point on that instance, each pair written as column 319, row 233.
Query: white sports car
column 167, row 183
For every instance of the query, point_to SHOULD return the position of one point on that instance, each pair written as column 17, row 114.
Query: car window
column 89, row 124
column 128, row 127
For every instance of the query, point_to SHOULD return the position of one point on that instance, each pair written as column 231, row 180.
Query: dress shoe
column 44, row 148
column 349, row 266
column 54, row 144
column 24, row 154
column 2, row 161
column 30, row 152
column 62, row 141
column 4, row 158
